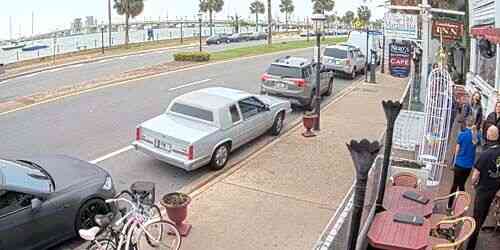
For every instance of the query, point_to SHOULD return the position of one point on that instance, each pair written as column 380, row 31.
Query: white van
column 375, row 43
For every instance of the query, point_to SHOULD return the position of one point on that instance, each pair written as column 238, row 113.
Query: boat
column 35, row 47
column 13, row 46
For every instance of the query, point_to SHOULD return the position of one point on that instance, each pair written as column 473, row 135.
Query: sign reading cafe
column 401, row 26
column 399, row 59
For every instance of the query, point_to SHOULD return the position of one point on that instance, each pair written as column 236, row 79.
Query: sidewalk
column 283, row 196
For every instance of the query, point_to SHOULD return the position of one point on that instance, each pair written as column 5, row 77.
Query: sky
column 51, row 15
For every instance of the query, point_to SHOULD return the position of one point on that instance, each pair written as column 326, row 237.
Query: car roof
column 292, row 61
column 344, row 46
column 212, row 98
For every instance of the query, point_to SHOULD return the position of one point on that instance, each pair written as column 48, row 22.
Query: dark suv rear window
column 336, row 53
column 284, row 71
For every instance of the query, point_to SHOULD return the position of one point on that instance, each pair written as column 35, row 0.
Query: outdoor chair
column 463, row 228
column 405, row 179
column 496, row 211
column 461, row 204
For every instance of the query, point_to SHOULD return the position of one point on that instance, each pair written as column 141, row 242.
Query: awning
column 488, row 32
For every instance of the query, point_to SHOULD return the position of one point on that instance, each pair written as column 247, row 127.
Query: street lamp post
column 200, row 15
column 318, row 20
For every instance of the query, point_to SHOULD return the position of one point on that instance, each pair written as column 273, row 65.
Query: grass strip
column 275, row 47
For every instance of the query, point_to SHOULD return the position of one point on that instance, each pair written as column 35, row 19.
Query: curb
column 92, row 61
column 197, row 188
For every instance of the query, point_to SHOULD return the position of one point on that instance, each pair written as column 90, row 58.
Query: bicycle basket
column 145, row 191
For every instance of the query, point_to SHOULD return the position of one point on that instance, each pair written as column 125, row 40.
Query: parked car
column 344, row 59
column 218, row 39
column 202, row 127
column 375, row 43
column 258, row 36
column 294, row 78
column 46, row 200
column 307, row 33
column 239, row 37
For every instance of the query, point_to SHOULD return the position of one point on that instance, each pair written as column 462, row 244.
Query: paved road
column 99, row 123
column 70, row 75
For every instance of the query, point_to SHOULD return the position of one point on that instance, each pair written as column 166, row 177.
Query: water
column 90, row 41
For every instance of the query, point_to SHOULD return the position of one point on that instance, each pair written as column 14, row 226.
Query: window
column 336, row 53
column 306, row 72
column 235, row 115
column 192, row 112
column 284, row 71
column 12, row 201
column 250, row 106
column 486, row 67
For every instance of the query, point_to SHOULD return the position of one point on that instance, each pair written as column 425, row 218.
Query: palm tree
column 211, row 6
column 269, row 23
column 321, row 6
column 129, row 8
column 364, row 14
column 287, row 7
column 348, row 17
column 257, row 7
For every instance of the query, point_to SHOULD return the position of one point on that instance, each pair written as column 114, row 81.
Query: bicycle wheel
column 102, row 244
column 162, row 235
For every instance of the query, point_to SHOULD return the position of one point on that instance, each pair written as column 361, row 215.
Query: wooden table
column 387, row 234
column 395, row 202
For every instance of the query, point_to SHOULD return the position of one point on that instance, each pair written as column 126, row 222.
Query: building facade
column 484, row 68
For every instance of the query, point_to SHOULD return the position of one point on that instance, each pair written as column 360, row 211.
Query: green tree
column 287, row 7
column 129, row 8
column 269, row 23
column 364, row 14
column 348, row 17
column 257, row 7
column 211, row 6
column 322, row 6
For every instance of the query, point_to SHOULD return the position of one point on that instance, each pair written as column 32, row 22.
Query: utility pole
column 426, row 18
column 109, row 22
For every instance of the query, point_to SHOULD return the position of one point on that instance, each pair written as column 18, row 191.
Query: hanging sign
column 401, row 26
column 450, row 30
column 399, row 59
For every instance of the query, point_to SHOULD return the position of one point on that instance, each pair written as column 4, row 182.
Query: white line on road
column 190, row 84
column 112, row 154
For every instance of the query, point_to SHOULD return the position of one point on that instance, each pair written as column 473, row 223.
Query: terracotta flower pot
column 176, row 205
column 308, row 121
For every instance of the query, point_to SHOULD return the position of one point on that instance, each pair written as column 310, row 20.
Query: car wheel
column 330, row 88
column 220, row 157
column 353, row 74
column 228, row 41
column 87, row 212
column 218, row 42
column 278, row 124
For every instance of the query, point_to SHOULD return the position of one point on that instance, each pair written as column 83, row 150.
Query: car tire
column 330, row 88
column 228, row 41
column 220, row 157
column 352, row 75
column 218, row 42
column 85, row 216
column 278, row 124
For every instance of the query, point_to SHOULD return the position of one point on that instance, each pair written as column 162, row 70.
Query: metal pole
column 109, row 22
column 318, row 74
column 307, row 28
column 363, row 155
column 54, row 46
column 391, row 110
column 182, row 35
column 102, row 40
column 383, row 53
column 200, row 34
column 425, row 49
column 366, row 56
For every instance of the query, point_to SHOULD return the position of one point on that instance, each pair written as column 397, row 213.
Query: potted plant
column 176, row 205
column 308, row 120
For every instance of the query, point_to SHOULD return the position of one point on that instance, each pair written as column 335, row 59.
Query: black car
column 46, row 200
column 258, row 36
column 218, row 39
column 240, row 37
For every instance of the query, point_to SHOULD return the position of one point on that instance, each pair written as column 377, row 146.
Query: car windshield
column 284, row 71
column 336, row 53
column 191, row 111
column 25, row 176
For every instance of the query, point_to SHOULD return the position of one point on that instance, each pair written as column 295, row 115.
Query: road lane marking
column 112, row 154
column 189, row 84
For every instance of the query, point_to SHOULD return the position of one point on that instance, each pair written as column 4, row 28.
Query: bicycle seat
column 89, row 234
column 103, row 220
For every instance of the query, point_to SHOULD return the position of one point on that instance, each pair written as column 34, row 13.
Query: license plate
column 280, row 85
column 163, row 145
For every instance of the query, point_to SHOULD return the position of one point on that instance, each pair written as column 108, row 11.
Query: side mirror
column 266, row 107
column 36, row 204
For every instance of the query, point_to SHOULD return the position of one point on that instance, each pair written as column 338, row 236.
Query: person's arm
column 475, row 177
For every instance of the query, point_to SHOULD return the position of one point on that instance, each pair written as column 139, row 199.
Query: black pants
column 482, row 204
column 459, row 179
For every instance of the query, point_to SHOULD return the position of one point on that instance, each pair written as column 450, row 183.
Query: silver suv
column 344, row 59
column 295, row 78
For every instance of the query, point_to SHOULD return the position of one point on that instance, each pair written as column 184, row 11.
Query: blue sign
column 399, row 59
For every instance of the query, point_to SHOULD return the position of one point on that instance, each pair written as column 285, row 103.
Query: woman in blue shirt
column 465, row 155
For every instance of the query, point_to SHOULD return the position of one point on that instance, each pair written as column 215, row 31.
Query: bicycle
column 138, row 229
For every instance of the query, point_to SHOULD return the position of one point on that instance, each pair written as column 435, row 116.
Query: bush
column 192, row 56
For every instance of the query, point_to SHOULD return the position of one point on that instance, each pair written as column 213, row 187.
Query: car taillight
column 190, row 152
column 138, row 133
column 299, row 82
column 265, row 77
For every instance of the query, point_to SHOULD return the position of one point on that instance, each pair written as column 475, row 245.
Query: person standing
column 493, row 118
column 486, row 180
column 475, row 109
column 465, row 155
